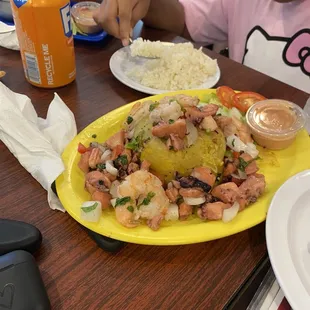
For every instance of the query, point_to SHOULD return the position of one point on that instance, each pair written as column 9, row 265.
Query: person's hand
column 118, row 17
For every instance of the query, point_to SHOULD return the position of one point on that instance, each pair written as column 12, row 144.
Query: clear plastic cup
column 274, row 123
column 82, row 13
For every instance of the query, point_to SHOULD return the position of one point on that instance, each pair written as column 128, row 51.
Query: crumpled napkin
column 8, row 37
column 37, row 143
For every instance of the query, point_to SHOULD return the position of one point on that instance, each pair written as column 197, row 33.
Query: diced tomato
column 225, row 94
column 242, row 101
column 236, row 155
column 82, row 148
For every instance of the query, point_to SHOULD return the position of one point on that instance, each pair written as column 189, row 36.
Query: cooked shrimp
column 126, row 217
column 204, row 174
column 212, row 211
column 109, row 175
column 191, row 192
column 162, row 129
column 90, row 188
column 229, row 168
column 117, row 151
column 252, row 187
column 94, row 158
column 226, row 124
column 138, row 186
column 104, row 198
column 83, row 163
column 185, row 211
column 173, row 194
column 116, row 139
column 168, row 111
column 145, row 165
column 196, row 115
column 208, row 123
column 209, row 109
column 176, row 184
column 159, row 176
column 98, row 180
column 243, row 130
column 227, row 192
column 185, row 100
column 177, row 143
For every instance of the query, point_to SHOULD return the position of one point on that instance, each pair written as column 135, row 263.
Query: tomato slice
column 225, row 94
column 82, row 148
column 242, row 101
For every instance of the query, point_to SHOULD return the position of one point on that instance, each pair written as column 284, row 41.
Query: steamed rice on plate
column 174, row 67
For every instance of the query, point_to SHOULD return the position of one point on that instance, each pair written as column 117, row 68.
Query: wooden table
column 78, row 274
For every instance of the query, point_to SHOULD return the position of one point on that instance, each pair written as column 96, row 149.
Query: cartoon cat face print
column 285, row 59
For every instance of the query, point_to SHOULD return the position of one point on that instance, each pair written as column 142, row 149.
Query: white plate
column 122, row 62
column 288, row 239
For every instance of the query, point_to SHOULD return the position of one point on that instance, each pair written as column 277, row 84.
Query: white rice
column 179, row 67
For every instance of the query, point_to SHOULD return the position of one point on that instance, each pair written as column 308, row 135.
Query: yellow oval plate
column 276, row 166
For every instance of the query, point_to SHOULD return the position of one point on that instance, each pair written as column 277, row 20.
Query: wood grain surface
column 77, row 274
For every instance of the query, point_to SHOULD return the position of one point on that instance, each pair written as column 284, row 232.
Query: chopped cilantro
column 129, row 120
column 171, row 100
column 228, row 153
column 233, row 142
column 146, row 201
column 136, row 143
column 171, row 121
column 242, row 164
column 94, row 136
column 101, row 166
column 121, row 161
column 90, row 208
column 153, row 106
column 122, row 201
column 130, row 209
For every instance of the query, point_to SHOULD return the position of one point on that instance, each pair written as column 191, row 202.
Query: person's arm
column 167, row 15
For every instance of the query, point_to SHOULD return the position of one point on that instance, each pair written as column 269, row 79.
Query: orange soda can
column 45, row 38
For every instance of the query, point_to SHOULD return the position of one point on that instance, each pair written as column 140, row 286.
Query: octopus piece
column 185, row 211
column 177, row 143
column 212, row 211
column 164, row 130
column 172, row 194
column 252, row 188
column 229, row 168
column 191, row 192
column 243, row 130
column 190, row 182
column 104, row 198
column 132, row 167
column 204, row 174
column 116, row 139
column 117, row 151
column 227, row 192
column 209, row 109
column 83, row 163
column 196, row 115
column 155, row 222
column 187, row 101
column 98, row 180
column 94, row 158
column 251, row 168
column 110, row 176
column 176, row 184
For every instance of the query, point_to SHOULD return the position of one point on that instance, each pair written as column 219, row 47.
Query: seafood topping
column 119, row 174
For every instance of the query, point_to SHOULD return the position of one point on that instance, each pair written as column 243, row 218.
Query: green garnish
column 121, row 160
column 90, row 208
column 153, row 106
column 130, row 209
column 94, row 136
column 122, row 201
column 146, row 201
column 171, row 100
column 129, row 120
column 101, row 166
column 242, row 164
column 101, row 182
column 171, row 121
column 228, row 154
column 233, row 142
column 136, row 143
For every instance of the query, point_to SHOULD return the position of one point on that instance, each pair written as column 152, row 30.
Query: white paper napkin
column 8, row 37
column 37, row 143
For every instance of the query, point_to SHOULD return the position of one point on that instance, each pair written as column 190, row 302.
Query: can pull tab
column 20, row 3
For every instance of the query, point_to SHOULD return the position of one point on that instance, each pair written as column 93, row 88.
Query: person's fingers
column 106, row 16
column 124, row 14
column 138, row 13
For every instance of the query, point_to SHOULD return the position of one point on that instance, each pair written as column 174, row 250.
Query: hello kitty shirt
column 271, row 37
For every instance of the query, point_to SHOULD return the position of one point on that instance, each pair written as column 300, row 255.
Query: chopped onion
column 229, row 214
column 114, row 187
column 234, row 112
column 113, row 202
column 106, row 154
column 101, row 148
column 242, row 174
column 251, row 150
column 235, row 143
column 194, row 201
column 192, row 133
column 172, row 212
column 110, row 168
column 91, row 211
